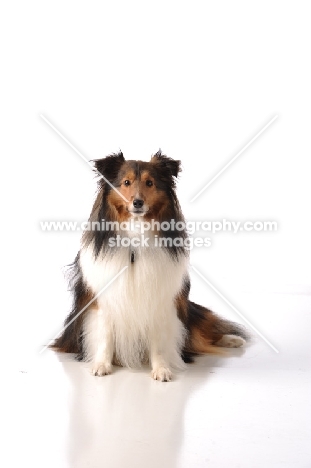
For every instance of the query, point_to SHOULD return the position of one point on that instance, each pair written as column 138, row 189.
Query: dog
column 131, row 295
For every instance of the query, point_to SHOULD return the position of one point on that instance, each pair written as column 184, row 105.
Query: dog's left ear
column 110, row 165
column 164, row 162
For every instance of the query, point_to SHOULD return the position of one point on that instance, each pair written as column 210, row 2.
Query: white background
column 197, row 79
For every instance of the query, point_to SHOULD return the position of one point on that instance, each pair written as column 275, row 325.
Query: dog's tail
column 206, row 332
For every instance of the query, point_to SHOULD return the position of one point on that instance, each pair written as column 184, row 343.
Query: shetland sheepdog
column 142, row 315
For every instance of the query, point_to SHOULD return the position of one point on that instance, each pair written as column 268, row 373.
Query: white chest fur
column 137, row 307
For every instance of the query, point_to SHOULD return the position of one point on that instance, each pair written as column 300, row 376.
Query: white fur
column 137, row 318
column 231, row 341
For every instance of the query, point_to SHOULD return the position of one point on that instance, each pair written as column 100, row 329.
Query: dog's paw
column 100, row 369
column 163, row 374
column 231, row 341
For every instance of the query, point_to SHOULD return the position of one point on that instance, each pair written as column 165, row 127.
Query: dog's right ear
column 110, row 165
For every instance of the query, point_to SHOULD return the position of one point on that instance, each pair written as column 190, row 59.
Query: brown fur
column 138, row 188
column 204, row 327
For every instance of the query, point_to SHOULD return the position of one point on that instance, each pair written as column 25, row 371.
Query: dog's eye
column 149, row 183
column 127, row 182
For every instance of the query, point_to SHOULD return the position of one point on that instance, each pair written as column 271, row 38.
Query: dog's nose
column 138, row 203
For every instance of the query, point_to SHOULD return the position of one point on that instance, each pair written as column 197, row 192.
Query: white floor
column 248, row 410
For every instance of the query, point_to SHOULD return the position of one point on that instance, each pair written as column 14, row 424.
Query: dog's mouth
column 139, row 212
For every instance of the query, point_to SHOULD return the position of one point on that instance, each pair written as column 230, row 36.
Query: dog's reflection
column 127, row 419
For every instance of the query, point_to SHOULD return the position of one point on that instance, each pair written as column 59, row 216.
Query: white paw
column 231, row 341
column 100, row 368
column 162, row 373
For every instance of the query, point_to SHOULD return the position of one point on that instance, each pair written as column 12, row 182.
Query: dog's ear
column 110, row 165
column 166, row 163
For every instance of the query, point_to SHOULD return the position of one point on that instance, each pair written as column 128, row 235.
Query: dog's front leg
column 99, row 342
column 160, row 368
column 104, row 353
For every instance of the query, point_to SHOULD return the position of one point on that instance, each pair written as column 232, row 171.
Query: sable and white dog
column 133, row 289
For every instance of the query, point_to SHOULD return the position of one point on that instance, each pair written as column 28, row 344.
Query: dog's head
column 142, row 188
